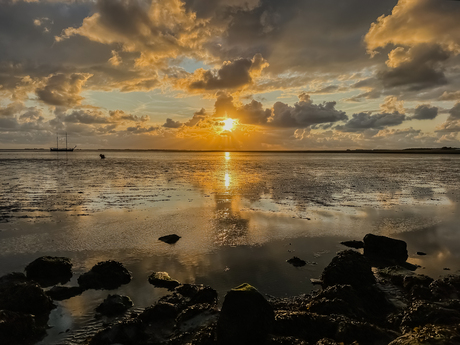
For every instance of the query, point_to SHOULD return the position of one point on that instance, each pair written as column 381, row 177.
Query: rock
column 348, row 268
column 50, row 270
column 296, row 262
column 60, row 293
column 446, row 288
column 162, row 279
column 353, row 244
column 19, row 328
column 384, row 248
column 246, row 317
column 105, row 275
column 114, row 305
column 417, row 286
column 421, row 253
column 170, row 239
column 196, row 316
column 130, row 332
column 278, row 340
column 160, row 311
column 430, row 335
column 21, row 295
column 421, row 313
column 315, row 281
column 198, row 294
column 312, row 328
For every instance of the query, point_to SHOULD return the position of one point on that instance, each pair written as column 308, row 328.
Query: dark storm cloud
column 230, row 75
column 253, row 113
column 317, row 36
column 363, row 121
column 304, row 113
column 11, row 109
column 417, row 68
column 170, row 123
column 63, row 90
column 86, row 117
column 425, row 112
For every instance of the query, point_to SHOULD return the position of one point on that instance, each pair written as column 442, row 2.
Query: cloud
column 304, row 113
column 392, row 104
column 232, row 75
column 170, row 123
column 417, row 68
column 11, row 109
column 252, row 113
column 450, row 96
column 158, row 30
column 417, row 22
column 362, row 121
column 63, row 89
column 425, row 112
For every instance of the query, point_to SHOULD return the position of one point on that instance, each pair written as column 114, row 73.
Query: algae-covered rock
column 105, row 275
column 162, row 279
column 348, row 268
column 60, row 293
column 430, row 335
column 131, row 332
column 50, row 270
column 19, row 328
column 296, row 262
column 21, row 295
column 246, row 317
column 198, row 293
column 114, row 304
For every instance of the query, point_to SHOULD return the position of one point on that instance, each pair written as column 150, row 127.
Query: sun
column 229, row 124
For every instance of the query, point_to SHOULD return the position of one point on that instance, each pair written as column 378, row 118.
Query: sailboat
column 62, row 149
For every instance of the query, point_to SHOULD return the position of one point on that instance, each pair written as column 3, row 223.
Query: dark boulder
column 170, row 239
column 348, row 268
column 385, row 249
column 60, row 293
column 21, row 295
column 19, row 328
column 296, row 262
column 246, row 317
column 105, row 275
column 159, row 311
column 353, row 244
column 197, row 294
column 131, row 332
column 163, row 280
column 50, row 270
column 114, row 305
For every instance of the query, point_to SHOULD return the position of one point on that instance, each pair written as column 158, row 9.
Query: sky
column 230, row 74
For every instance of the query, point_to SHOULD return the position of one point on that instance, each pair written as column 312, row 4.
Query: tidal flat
column 240, row 217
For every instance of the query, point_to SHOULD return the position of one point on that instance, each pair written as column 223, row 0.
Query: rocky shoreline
column 368, row 295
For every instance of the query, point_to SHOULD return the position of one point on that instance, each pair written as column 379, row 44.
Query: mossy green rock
column 246, row 317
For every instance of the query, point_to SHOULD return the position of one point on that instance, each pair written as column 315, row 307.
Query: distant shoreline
column 402, row 151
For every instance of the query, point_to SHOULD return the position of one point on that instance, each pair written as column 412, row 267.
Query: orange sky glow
column 236, row 75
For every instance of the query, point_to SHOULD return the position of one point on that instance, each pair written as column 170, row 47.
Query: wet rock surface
column 350, row 268
column 105, row 275
column 114, row 305
column 385, row 249
column 19, row 328
column 163, row 280
column 170, row 239
column 246, row 317
column 50, row 270
column 60, row 293
column 296, row 262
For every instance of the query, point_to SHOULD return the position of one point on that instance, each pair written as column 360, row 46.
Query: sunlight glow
column 227, row 180
column 227, row 156
column 228, row 125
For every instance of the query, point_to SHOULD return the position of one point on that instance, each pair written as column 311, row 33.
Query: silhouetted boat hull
column 62, row 149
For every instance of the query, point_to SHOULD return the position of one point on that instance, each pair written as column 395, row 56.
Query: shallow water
column 240, row 216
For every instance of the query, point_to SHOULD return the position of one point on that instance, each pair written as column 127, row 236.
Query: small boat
column 62, row 149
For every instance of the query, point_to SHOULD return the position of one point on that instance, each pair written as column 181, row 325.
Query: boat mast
column 66, row 141
column 57, row 141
